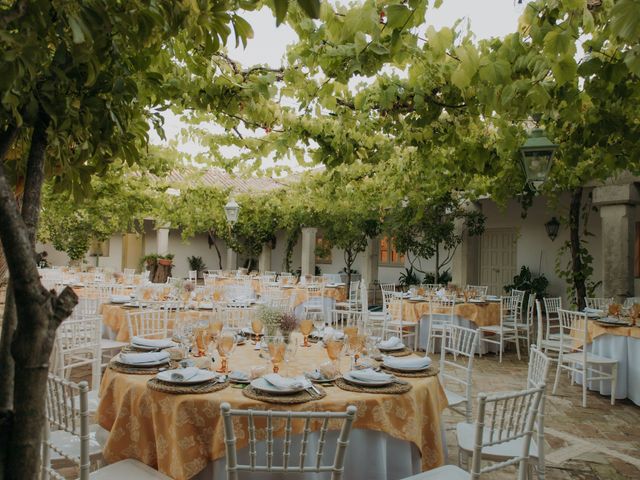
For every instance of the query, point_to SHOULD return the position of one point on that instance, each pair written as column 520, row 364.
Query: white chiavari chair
column 313, row 306
column 574, row 357
column 237, row 316
column 441, row 314
column 507, row 330
column 69, row 437
column 396, row 325
column 148, row 323
column 504, row 419
column 598, row 303
column 551, row 307
column 481, row 290
column 459, row 342
column 192, row 275
column 307, row 461
column 353, row 301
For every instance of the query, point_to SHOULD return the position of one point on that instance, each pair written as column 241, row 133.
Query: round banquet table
column 621, row 344
column 182, row 435
column 469, row 315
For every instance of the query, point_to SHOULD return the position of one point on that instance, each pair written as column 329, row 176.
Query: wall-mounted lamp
column 552, row 227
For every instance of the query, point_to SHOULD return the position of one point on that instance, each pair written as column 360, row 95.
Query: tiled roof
column 216, row 177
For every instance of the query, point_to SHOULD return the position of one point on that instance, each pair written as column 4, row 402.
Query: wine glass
column 355, row 345
column 275, row 347
column 335, row 348
column 290, row 351
column 306, row 327
column 226, row 345
column 257, row 327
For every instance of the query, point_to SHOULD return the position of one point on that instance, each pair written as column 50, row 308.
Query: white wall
column 113, row 261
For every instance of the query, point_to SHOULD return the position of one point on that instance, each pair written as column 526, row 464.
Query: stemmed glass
column 335, row 348
column 257, row 327
column 276, row 348
column 355, row 345
column 226, row 345
column 290, row 351
column 306, row 327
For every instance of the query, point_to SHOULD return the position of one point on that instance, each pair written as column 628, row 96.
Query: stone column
column 465, row 263
column 617, row 213
column 308, row 261
column 264, row 262
column 162, row 240
column 369, row 262
column 232, row 259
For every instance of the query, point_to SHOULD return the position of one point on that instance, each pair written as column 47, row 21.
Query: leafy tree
column 81, row 83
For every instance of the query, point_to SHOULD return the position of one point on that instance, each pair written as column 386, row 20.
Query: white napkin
column 284, row 383
column 441, row 293
column 120, row 298
column 370, row 375
column 392, row 342
column 182, row 374
column 331, row 333
column 400, row 363
column 592, row 310
column 144, row 358
column 152, row 343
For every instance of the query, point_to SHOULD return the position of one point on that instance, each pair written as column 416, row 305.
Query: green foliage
column 566, row 272
column 408, row 278
column 444, row 278
column 525, row 280
column 197, row 264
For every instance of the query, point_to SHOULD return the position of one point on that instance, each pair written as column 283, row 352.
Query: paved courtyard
column 597, row 442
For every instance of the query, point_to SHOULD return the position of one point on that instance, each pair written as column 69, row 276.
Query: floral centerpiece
column 276, row 321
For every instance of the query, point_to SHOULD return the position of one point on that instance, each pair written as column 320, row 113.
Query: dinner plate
column 392, row 349
column 614, row 322
column 264, row 386
column 476, row 300
column 405, row 369
column 205, row 306
column 286, row 286
column 142, row 365
column 380, row 383
column 150, row 348
column 200, row 377
column 239, row 377
column 313, row 378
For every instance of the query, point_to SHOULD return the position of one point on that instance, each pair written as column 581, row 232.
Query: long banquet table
column 182, row 435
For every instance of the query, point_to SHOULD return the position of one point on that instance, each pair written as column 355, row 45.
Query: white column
column 232, row 259
column 308, row 262
column 162, row 240
column 264, row 262
column 617, row 212
column 369, row 262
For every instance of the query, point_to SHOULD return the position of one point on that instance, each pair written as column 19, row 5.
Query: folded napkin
column 120, row 298
column 182, row 374
column 239, row 376
column 332, row 334
column 392, row 342
column 592, row 310
column 152, row 343
column 412, row 362
column 144, row 358
column 284, row 383
column 370, row 375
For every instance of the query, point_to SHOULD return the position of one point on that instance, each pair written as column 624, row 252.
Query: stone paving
column 598, row 442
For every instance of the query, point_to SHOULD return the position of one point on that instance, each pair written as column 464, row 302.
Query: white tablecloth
column 371, row 455
column 627, row 351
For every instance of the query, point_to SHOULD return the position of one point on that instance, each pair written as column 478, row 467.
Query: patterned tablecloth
column 181, row 434
column 482, row 314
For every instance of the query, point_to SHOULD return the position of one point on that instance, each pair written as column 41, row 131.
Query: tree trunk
column 579, row 283
column 212, row 242
column 162, row 273
column 39, row 313
column 437, row 264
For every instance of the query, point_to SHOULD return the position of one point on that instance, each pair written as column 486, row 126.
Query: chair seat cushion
column 465, row 433
column 446, row 472
column 454, row 398
column 591, row 358
column 127, row 469
column 70, row 444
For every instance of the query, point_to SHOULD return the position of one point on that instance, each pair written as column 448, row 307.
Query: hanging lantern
column 537, row 157
column 552, row 227
column 231, row 211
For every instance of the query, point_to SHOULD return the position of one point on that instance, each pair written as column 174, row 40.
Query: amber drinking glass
column 306, row 327
column 226, row 345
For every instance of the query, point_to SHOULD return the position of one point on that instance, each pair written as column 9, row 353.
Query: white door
column 497, row 258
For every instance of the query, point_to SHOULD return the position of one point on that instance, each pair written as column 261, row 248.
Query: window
column 388, row 253
column 323, row 250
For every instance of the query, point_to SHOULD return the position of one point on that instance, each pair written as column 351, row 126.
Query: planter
column 165, row 262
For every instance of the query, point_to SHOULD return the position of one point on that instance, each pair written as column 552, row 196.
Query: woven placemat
column 300, row 397
column 123, row 368
column 204, row 387
column 429, row 372
column 397, row 353
column 396, row 387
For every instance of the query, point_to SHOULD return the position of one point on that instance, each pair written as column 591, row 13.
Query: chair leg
column 584, row 385
column 555, row 382
column 518, row 345
column 614, row 382
column 501, row 346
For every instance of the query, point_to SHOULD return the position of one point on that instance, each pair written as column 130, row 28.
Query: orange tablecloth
column 180, row 434
column 482, row 314
column 595, row 329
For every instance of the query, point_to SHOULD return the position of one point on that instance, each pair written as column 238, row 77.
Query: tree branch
column 7, row 138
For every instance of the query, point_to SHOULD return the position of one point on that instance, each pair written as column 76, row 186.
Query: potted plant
column 197, row 264
column 165, row 260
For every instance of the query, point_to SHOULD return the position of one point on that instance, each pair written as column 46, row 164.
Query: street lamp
column 537, row 156
column 231, row 211
column 552, row 227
